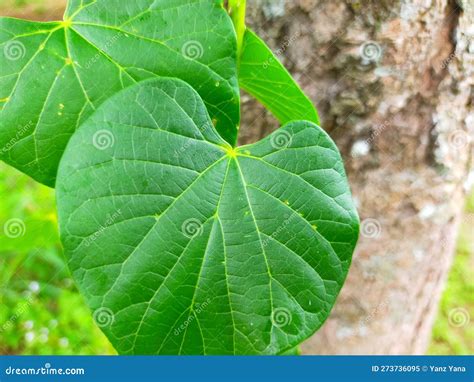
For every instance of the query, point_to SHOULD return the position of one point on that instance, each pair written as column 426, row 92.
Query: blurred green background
column 41, row 311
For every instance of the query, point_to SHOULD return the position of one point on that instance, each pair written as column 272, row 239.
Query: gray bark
column 393, row 81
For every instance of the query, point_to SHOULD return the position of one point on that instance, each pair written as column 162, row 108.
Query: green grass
column 41, row 311
column 456, row 335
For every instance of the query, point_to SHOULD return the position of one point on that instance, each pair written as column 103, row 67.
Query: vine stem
column 237, row 10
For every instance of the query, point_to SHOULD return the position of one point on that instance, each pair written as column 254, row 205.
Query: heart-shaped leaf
column 53, row 75
column 182, row 244
column 262, row 75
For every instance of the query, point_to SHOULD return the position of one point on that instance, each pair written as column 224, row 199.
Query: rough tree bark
column 393, row 81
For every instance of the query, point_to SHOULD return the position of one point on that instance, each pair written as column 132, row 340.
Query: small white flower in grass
column 63, row 342
column 43, row 338
column 28, row 325
column 30, row 336
column 34, row 287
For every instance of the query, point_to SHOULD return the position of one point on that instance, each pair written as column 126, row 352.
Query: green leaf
column 182, row 244
column 53, row 75
column 263, row 76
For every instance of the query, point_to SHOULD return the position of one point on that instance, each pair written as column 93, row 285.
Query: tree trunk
column 393, row 81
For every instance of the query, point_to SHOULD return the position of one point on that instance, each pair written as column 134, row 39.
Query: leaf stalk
column 237, row 10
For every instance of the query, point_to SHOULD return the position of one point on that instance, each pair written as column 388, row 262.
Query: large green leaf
column 53, row 75
column 262, row 75
column 182, row 244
